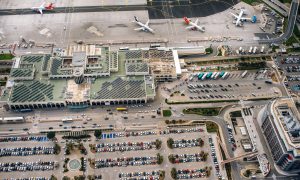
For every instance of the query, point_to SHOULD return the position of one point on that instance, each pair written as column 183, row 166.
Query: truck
column 268, row 81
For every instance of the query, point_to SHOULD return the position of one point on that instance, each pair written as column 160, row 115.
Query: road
column 289, row 31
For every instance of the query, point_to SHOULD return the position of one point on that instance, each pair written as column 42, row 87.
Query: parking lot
column 290, row 66
column 233, row 87
column 128, row 155
column 29, row 156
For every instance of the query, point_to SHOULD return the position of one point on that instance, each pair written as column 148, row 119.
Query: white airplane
column 43, row 8
column 144, row 27
column 240, row 18
column 193, row 26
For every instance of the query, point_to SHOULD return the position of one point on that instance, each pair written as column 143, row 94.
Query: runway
column 160, row 9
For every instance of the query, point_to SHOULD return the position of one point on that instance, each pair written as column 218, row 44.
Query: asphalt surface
column 290, row 27
column 160, row 9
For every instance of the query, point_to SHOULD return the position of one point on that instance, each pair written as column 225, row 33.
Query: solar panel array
column 56, row 63
column 32, row 59
column 33, row 92
column 46, row 62
column 137, row 67
column 133, row 54
column 20, row 72
column 120, row 89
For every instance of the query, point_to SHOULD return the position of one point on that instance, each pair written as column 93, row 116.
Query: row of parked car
column 28, row 166
column 25, row 151
column 154, row 175
column 291, row 60
column 30, row 178
column 26, row 138
column 294, row 68
column 179, row 131
column 139, row 133
column 127, row 161
column 186, row 143
column 191, row 173
column 184, row 158
column 214, row 157
column 125, row 146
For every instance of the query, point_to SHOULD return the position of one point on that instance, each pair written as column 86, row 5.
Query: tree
column 53, row 177
column 56, row 148
column 162, row 175
column 65, row 178
column 51, row 135
column 247, row 173
column 98, row 133
column 171, row 158
column 174, row 173
column 158, row 144
column 170, row 143
column 160, row 159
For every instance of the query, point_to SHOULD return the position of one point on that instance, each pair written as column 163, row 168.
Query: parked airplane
column 144, row 27
column 193, row 26
column 239, row 19
column 43, row 8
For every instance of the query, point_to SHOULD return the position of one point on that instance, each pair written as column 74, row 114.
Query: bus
column 209, row 75
column 204, row 76
column 200, row 75
column 225, row 75
column 217, row 75
column 121, row 109
column 67, row 120
column 213, row 75
column 244, row 74
column 222, row 74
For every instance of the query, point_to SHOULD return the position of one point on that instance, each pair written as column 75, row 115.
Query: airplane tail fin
column 43, row 5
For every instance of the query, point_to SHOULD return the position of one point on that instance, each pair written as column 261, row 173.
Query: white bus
column 225, row 75
column 244, row 74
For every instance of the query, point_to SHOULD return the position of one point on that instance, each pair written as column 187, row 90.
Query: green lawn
column 6, row 56
column 203, row 111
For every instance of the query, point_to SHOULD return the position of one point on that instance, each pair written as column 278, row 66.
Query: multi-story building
column 281, row 127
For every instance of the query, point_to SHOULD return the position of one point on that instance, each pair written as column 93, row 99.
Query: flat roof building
column 89, row 75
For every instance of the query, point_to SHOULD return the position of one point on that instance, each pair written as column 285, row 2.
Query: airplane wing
column 234, row 15
column 196, row 22
column 245, row 18
column 43, row 5
column 147, row 23
column 40, row 10
column 139, row 29
column 189, row 27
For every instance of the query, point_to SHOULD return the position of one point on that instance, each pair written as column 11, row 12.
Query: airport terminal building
column 88, row 75
column 281, row 128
